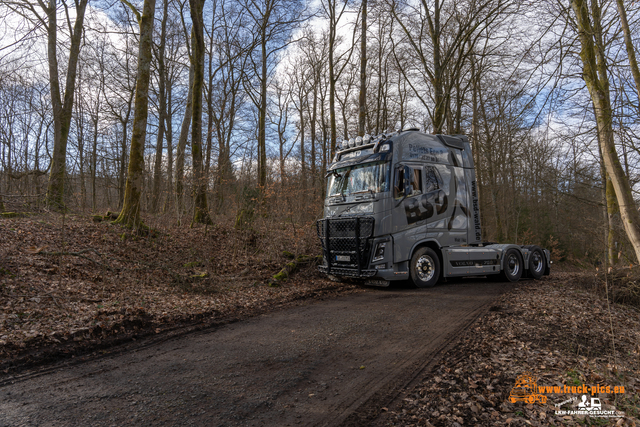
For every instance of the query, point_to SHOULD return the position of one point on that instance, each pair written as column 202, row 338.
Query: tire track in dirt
column 327, row 363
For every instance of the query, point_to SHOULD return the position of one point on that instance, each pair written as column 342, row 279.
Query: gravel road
column 327, row 363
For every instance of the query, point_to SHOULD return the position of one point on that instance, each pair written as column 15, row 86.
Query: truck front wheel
column 513, row 266
column 425, row 268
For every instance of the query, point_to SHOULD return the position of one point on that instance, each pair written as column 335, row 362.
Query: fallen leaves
column 552, row 327
column 88, row 286
column 35, row 250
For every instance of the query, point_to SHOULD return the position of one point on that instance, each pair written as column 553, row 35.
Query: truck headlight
column 379, row 252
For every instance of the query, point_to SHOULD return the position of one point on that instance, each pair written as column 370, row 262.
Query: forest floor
column 70, row 286
column 558, row 329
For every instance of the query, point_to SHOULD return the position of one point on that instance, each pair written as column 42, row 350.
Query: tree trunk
column 612, row 213
column 210, row 113
column 201, row 210
column 313, row 122
column 80, row 142
column 130, row 213
column 595, row 76
column 182, row 145
column 94, row 161
column 436, row 81
column 303, row 160
column 262, row 117
column 62, row 109
column 332, row 92
column 162, row 100
column 169, row 126
column 362, row 98
column 122, row 176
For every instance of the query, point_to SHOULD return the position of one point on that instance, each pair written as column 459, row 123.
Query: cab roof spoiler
column 455, row 141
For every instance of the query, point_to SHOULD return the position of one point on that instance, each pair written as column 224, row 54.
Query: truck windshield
column 367, row 178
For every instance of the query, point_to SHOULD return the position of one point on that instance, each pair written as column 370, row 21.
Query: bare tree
column 162, row 107
column 362, row 98
column 182, row 145
column 201, row 210
column 595, row 75
column 334, row 10
column 61, row 98
column 440, row 37
column 229, row 47
column 272, row 24
column 130, row 213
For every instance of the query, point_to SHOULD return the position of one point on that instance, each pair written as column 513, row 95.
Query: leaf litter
column 70, row 288
column 559, row 329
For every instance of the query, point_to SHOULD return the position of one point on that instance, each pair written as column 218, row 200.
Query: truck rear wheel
column 425, row 268
column 513, row 266
column 537, row 262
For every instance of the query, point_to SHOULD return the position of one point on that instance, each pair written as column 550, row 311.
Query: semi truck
column 404, row 206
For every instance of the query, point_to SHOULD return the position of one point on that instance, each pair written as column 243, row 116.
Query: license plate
column 343, row 258
column 376, row 282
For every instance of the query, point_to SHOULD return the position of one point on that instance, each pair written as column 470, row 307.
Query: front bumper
column 346, row 245
column 347, row 272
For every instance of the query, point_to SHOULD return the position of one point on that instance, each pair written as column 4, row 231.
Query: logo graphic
column 594, row 405
column 526, row 390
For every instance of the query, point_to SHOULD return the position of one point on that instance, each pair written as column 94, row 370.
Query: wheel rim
column 513, row 265
column 425, row 268
column 537, row 262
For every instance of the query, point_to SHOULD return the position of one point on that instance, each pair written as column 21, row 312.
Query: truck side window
column 416, row 182
column 398, row 182
column 407, row 178
column 432, row 179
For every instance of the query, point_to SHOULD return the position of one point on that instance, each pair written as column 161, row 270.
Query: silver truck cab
column 405, row 205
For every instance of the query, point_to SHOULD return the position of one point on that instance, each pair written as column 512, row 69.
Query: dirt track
column 334, row 362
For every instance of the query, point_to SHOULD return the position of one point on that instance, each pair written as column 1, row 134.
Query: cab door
column 409, row 213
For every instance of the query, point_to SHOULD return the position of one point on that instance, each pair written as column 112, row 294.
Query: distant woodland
column 202, row 112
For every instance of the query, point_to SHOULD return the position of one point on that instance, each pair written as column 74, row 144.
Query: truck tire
column 537, row 262
column 425, row 268
column 513, row 266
